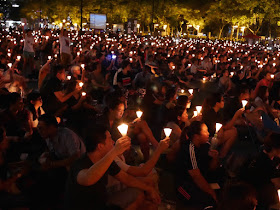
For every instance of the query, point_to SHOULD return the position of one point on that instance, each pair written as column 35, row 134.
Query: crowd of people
column 64, row 95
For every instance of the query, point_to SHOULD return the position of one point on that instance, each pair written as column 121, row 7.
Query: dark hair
column 237, row 196
column 13, row 98
column 96, row 134
column 175, row 113
column 272, row 142
column 33, row 96
column 182, row 100
column 48, row 119
column 170, row 93
column 189, row 132
column 58, row 68
column 261, row 92
column 211, row 101
column 125, row 63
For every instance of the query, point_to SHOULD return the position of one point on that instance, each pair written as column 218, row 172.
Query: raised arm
column 87, row 177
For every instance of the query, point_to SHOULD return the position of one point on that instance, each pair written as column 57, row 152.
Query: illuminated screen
column 97, row 21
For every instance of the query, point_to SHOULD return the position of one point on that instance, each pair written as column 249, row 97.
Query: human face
column 38, row 102
column 44, row 130
column 107, row 145
column 221, row 104
column 184, row 117
column 118, row 112
column 204, row 134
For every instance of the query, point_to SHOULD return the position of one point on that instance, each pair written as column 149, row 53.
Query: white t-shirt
column 28, row 44
column 64, row 44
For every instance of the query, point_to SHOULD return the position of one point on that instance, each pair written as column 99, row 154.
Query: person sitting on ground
column 262, row 172
column 210, row 116
column 51, row 91
column 86, row 184
column 195, row 162
column 140, row 129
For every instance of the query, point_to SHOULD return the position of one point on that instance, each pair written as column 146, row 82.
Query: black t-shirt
column 210, row 118
column 125, row 79
column 191, row 157
column 49, row 87
column 79, row 197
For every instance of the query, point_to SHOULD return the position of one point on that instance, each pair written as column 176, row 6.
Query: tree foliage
column 216, row 14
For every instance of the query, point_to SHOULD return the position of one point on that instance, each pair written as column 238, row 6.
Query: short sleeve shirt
column 87, row 197
column 191, row 157
column 125, row 79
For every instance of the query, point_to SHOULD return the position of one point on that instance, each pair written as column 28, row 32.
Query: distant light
column 15, row 5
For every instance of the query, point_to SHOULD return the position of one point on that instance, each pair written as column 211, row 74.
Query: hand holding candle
column 167, row 131
column 123, row 129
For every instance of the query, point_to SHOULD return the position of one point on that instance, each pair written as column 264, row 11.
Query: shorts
column 28, row 54
column 124, row 197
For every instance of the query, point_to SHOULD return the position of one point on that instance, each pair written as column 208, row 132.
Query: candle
column 10, row 65
column 18, row 57
column 83, row 66
column 49, row 57
column 191, row 91
column 272, row 76
column 198, row 108
column 194, row 113
column 68, row 77
column 139, row 114
column 123, row 129
column 231, row 73
column 9, row 54
column 47, row 37
column 84, row 93
column 81, row 84
column 167, row 131
column 218, row 127
column 244, row 103
column 278, row 191
column 274, row 64
column 182, row 90
column 78, row 53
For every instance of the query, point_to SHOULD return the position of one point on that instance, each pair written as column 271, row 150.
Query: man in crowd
column 86, row 185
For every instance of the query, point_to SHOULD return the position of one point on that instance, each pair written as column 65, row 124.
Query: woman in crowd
column 195, row 163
